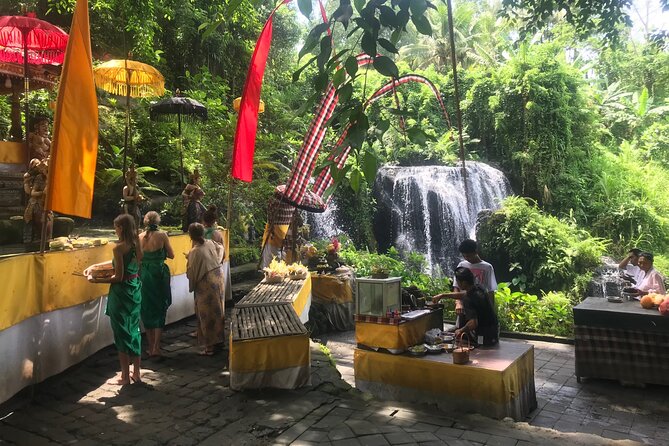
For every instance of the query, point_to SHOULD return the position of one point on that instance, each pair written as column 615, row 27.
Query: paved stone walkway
column 185, row 400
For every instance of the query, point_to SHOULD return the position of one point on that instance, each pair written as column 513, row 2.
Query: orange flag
column 74, row 148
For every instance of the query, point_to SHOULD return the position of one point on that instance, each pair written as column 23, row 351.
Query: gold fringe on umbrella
column 115, row 76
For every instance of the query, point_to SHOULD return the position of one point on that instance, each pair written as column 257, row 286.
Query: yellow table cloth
column 282, row 362
column 38, row 283
column 498, row 382
column 397, row 338
column 332, row 288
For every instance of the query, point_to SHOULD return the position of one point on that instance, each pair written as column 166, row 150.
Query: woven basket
column 273, row 279
column 298, row 276
column 461, row 353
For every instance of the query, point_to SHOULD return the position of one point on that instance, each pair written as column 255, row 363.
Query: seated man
column 480, row 321
column 652, row 281
column 630, row 267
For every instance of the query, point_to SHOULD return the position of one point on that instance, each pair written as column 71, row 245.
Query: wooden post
column 26, row 87
column 456, row 89
column 127, row 121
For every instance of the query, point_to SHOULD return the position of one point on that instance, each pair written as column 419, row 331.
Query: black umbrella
column 183, row 108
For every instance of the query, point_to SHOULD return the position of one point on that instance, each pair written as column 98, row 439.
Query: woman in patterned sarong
column 206, row 281
column 123, row 302
column 156, row 291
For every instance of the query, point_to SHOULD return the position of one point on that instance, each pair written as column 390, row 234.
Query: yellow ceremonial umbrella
column 129, row 78
column 237, row 103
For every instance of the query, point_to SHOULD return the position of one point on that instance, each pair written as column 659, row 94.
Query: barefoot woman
column 123, row 302
column 156, row 292
column 206, row 281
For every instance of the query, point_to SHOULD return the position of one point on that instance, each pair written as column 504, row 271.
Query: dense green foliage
column 541, row 252
column 410, row 269
column 519, row 311
column 576, row 115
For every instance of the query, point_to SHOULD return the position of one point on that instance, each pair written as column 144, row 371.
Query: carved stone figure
column 132, row 197
column 39, row 141
column 35, row 185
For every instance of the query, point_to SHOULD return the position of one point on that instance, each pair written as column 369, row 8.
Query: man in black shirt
column 480, row 320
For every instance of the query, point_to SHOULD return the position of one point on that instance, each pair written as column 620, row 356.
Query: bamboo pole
column 26, row 87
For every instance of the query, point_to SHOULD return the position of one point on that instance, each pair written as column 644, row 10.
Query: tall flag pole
column 74, row 148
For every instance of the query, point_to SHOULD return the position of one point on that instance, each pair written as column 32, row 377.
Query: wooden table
column 498, row 381
column 269, row 345
column 621, row 341
column 296, row 293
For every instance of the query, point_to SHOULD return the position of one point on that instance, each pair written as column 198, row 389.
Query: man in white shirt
column 630, row 267
column 484, row 273
column 653, row 281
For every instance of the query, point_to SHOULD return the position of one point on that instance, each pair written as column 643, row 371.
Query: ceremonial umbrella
column 130, row 79
column 29, row 40
column 182, row 107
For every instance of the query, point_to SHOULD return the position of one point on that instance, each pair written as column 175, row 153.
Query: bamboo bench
column 269, row 344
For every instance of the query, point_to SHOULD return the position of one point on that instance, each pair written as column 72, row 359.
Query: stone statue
column 35, row 185
column 39, row 141
column 132, row 196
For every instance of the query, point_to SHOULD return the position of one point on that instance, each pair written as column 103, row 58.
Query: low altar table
column 621, row 341
column 396, row 335
column 296, row 293
column 269, row 345
column 333, row 305
column 498, row 381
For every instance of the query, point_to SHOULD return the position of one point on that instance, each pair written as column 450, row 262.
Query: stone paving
column 186, row 400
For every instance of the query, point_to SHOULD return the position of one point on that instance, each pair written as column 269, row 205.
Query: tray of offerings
column 104, row 271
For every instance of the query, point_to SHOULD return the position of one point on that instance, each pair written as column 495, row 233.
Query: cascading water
column 324, row 225
column 424, row 209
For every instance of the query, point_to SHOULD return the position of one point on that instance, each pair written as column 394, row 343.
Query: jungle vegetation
column 571, row 103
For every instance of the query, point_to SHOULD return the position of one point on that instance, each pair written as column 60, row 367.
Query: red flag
column 247, row 123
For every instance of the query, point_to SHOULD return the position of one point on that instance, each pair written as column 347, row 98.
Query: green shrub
column 522, row 312
column 242, row 256
column 409, row 269
column 542, row 251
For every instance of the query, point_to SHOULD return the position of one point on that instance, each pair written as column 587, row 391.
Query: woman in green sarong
column 123, row 302
column 155, row 275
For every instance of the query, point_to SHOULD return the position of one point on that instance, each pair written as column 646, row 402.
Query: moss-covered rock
column 62, row 226
column 11, row 231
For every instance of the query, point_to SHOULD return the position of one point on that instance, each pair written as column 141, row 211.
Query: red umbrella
column 29, row 40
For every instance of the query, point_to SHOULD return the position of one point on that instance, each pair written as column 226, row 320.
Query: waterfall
column 424, row 209
column 324, row 225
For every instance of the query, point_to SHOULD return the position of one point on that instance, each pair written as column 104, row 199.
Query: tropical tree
column 480, row 38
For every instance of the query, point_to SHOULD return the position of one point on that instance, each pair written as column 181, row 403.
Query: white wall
column 46, row 344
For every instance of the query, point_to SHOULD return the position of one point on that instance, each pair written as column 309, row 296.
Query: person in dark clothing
column 195, row 210
column 480, row 321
